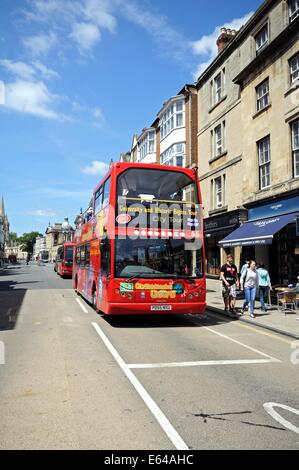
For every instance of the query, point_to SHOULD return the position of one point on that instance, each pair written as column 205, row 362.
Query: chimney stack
column 226, row 35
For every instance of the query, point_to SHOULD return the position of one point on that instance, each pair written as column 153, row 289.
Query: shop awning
column 258, row 232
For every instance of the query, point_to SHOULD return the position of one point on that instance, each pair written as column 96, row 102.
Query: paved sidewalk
column 274, row 319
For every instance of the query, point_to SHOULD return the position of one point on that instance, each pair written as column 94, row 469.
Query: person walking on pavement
column 250, row 284
column 245, row 266
column 230, row 281
column 264, row 286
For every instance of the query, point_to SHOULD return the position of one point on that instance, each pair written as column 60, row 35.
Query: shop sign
column 225, row 221
column 274, row 208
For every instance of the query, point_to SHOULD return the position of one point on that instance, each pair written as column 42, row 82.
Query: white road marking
column 269, row 408
column 82, row 306
column 150, row 403
column 201, row 363
column 242, row 344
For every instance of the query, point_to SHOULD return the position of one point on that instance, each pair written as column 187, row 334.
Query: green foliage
column 13, row 237
column 27, row 241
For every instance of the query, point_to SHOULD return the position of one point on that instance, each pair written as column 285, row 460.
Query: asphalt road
column 72, row 379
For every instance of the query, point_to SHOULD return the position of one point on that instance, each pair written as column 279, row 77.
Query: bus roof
column 154, row 166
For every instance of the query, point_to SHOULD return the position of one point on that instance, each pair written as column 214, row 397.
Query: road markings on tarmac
column 150, row 403
column 82, row 306
column 269, row 407
column 241, row 344
column 256, row 330
column 201, row 363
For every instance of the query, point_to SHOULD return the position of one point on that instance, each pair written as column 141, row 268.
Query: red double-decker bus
column 139, row 248
column 64, row 260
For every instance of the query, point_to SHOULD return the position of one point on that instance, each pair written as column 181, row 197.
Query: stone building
column 269, row 91
column 248, row 141
column 56, row 235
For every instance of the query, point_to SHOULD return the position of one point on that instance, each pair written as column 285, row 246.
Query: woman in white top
column 250, row 282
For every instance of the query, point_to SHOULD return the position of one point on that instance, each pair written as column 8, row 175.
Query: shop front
column 216, row 228
column 270, row 238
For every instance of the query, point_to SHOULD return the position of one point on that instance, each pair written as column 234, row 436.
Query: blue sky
column 78, row 78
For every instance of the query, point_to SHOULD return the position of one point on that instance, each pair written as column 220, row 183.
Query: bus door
column 104, row 274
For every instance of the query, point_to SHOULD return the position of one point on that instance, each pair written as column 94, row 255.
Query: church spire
column 2, row 209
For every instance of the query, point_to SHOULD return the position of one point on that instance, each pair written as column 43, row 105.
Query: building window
column 174, row 155
column 218, row 139
column 218, row 193
column 173, row 117
column 261, row 39
column 293, row 9
column 295, row 147
column 262, row 95
column 147, row 144
column 294, row 68
column 217, row 88
column 264, row 162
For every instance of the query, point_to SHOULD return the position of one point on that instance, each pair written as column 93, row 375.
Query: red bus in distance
column 139, row 249
column 64, row 260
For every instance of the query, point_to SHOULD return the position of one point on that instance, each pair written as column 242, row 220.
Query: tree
column 27, row 241
column 13, row 237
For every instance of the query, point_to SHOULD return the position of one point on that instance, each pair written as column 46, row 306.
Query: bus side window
column 87, row 255
column 106, row 197
column 98, row 200
column 82, row 255
column 105, row 256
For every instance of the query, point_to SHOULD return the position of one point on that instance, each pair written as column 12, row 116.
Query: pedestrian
column 250, row 283
column 230, row 281
column 264, row 286
column 245, row 266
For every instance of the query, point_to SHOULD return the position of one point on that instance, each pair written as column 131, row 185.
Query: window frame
column 295, row 14
column 295, row 148
column 296, row 71
column 218, row 149
column 258, row 49
column 170, row 155
column 260, row 100
column 264, row 165
column 168, row 120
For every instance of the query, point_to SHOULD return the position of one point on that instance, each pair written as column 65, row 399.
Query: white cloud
column 40, row 44
column 99, row 12
column 19, row 69
column 99, row 118
column 27, row 72
column 45, row 71
column 85, row 20
column 96, row 168
column 42, row 213
column 86, row 36
column 32, row 98
column 206, row 46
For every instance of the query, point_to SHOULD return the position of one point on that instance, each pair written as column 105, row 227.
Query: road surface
column 72, row 379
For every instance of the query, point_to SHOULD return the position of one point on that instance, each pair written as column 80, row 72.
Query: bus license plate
column 161, row 307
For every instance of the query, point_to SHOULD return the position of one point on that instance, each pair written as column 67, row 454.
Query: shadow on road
column 11, row 299
column 164, row 321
